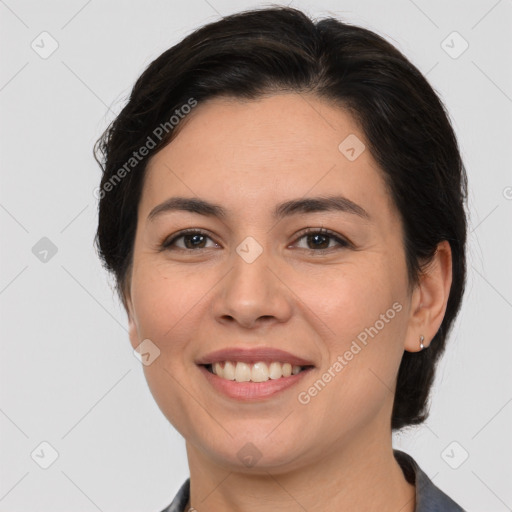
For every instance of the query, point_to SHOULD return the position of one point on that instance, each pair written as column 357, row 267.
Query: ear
column 430, row 298
column 133, row 331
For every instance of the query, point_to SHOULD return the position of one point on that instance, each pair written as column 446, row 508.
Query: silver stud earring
column 422, row 338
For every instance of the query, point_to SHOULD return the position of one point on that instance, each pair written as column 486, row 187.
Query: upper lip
column 253, row 355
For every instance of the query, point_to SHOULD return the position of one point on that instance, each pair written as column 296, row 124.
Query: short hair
column 250, row 54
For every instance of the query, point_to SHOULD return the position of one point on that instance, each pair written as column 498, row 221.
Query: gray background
column 68, row 374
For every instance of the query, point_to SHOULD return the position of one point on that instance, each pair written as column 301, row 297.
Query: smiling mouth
column 239, row 371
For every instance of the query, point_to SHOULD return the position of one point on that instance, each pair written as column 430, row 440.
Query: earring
column 422, row 338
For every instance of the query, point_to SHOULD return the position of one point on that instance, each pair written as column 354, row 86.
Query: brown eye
column 192, row 239
column 321, row 240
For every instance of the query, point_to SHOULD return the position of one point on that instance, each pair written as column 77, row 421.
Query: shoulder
column 429, row 498
column 180, row 500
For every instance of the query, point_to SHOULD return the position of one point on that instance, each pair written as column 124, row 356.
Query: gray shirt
column 429, row 498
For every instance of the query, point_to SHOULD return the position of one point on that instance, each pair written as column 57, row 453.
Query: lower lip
column 244, row 391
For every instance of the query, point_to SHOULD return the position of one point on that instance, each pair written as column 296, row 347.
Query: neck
column 353, row 476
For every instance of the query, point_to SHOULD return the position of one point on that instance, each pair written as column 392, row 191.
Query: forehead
column 251, row 152
column 275, row 125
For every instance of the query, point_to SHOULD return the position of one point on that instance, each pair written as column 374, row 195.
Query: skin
column 334, row 453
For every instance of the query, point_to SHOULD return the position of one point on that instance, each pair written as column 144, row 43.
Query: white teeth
column 242, row 372
column 217, row 368
column 275, row 371
column 229, row 371
column 257, row 372
column 287, row 369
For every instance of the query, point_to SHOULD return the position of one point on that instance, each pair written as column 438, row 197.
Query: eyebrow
column 286, row 209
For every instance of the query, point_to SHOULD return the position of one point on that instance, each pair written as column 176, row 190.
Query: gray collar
column 429, row 498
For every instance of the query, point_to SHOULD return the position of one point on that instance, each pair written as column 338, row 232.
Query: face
column 326, row 283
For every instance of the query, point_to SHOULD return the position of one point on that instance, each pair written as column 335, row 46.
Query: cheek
column 363, row 351
column 364, row 308
column 352, row 297
column 167, row 311
column 164, row 299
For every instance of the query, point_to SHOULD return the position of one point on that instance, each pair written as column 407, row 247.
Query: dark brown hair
column 253, row 53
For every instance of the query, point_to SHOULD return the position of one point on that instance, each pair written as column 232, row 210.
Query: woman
column 283, row 208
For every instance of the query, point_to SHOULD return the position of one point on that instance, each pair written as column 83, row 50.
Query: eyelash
column 343, row 243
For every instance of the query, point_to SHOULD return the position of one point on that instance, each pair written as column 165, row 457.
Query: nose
column 253, row 293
